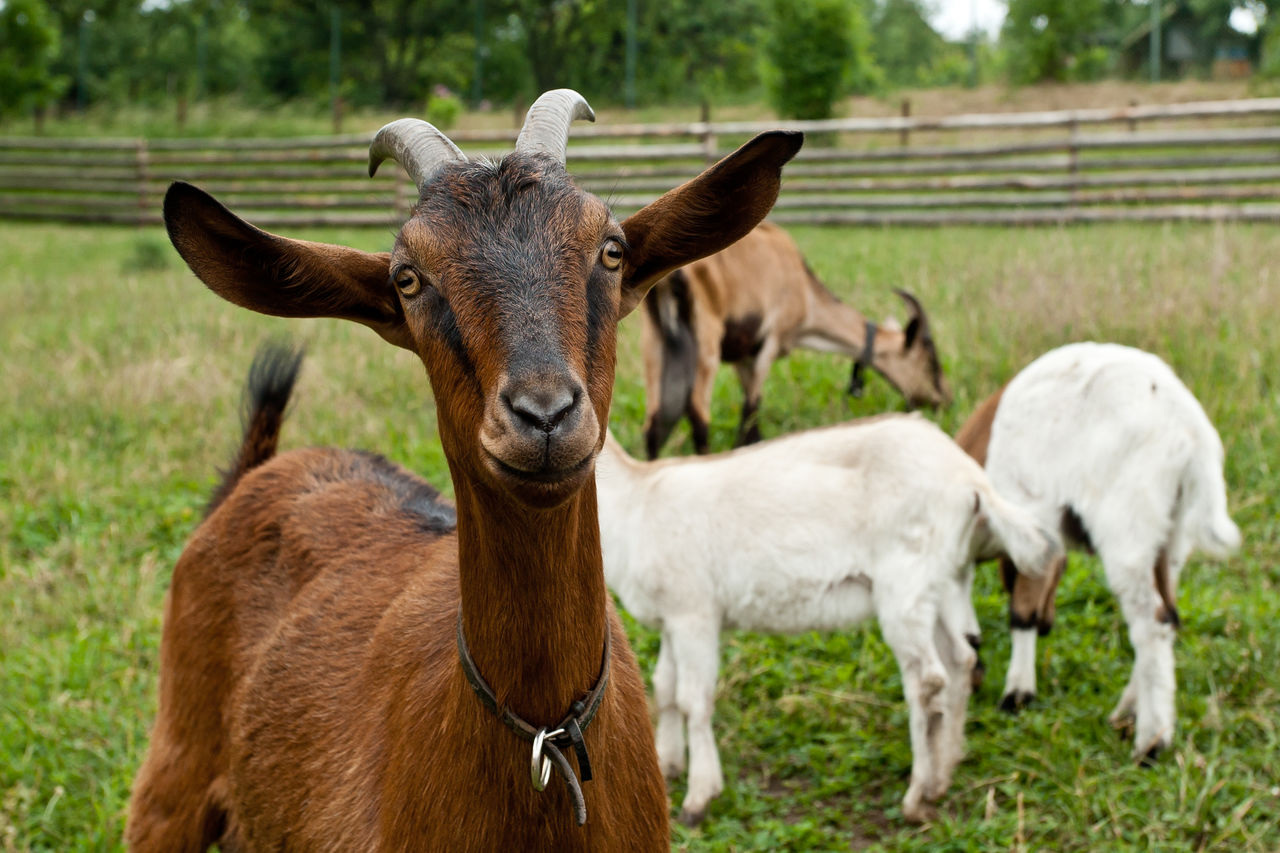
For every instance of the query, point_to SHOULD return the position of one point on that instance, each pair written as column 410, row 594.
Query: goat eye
column 408, row 282
column 611, row 255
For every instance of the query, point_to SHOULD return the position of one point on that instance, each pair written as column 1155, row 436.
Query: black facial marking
column 445, row 325
column 600, row 311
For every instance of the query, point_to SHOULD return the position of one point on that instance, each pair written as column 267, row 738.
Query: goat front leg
column 695, row 645
column 670, row 734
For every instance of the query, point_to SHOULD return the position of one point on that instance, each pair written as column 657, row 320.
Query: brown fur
column 975, row 433
column 1031, row 600
column 311, row 696
column 755, row 302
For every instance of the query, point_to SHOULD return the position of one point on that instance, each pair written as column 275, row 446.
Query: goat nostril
column 543, row 410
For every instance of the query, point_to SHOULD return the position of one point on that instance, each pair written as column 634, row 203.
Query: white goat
column 1104, row 442
column 817, row 530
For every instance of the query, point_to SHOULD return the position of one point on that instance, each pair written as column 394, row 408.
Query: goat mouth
column 546, row 477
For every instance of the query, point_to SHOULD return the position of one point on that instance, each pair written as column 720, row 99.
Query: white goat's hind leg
column 1153, row 684
column 960, row 658
column 1020, row 683
column 696, row 650
column 670, row 735
column 1123, row 712
column 908, row 629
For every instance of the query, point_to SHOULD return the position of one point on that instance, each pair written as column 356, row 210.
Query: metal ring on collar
column 539, row 764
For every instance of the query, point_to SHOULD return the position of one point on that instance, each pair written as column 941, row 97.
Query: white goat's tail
column 1031, row 546
column 1205, row 492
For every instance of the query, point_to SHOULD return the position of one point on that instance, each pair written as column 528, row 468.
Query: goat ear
column 277, row 275
column 703, row 216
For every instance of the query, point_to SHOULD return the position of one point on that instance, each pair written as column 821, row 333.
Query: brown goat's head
column 914, row 369
column 507, row 281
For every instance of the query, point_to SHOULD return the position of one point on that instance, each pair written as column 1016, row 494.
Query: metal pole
column 630, row 88
column 335, row 65
column 82, row 62
column 202, row 55
column 1156, row 20
column 477, row 73
column 973, row 44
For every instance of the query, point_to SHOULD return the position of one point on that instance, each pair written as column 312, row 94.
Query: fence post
column 142, row 162
column 400, row 200
column 708, row 135
column 1073, row 160
column 904, row 135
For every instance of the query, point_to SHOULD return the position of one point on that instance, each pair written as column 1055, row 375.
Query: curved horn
column 417, row 146
column 546, row 126
column 914, row 305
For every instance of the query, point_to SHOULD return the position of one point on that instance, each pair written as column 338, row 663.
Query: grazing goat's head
column 914, row 369
column 507, row 281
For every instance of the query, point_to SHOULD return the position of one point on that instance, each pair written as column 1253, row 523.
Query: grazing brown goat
column 342, row 668
column 749, row 305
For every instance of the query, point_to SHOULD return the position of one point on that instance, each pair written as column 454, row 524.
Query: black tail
column 670, row 308
column 271, row 377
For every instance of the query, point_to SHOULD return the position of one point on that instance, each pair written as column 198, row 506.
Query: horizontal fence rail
column 1016, row 169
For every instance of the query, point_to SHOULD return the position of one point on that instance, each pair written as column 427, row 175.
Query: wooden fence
column 1206, row 161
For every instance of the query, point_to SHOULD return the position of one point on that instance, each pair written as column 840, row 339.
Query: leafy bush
column 29, row 43
column 816, row 51
column 443, row 108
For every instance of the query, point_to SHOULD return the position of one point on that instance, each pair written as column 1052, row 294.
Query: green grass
column 121, row 382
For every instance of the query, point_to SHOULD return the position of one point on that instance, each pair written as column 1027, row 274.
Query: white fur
column 818, row 530
column 1110, row 432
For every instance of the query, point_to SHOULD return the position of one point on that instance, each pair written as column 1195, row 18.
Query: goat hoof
column 920, row 813
column 1016, row 701
column 672, row 770
column 692, row 818
column 1149, row 756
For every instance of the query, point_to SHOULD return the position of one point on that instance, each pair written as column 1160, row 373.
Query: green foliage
column 906, row 47
column 119, row 403
column 443, row 109
column 1057, row 40
column 716, row 45
column 815, row 52
column 29, row 45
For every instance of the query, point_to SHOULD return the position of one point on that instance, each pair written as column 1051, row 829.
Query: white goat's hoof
column 934, row 791
column 693, row 817
column 919, row 812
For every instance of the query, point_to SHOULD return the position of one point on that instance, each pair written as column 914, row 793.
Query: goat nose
column 543, row 408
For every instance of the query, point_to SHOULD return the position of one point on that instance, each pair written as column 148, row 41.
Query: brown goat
column 313, row 691
column 749, row 305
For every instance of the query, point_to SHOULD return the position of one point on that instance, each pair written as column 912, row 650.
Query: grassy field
column 121, row 381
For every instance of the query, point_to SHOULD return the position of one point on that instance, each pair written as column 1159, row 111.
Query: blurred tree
column 1059, row 40
column 29, row 44
column 700, row 49
column 906, row 47
column 815, row 51
column 393, row 51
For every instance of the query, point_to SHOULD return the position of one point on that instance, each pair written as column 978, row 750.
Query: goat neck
column 533, row 597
